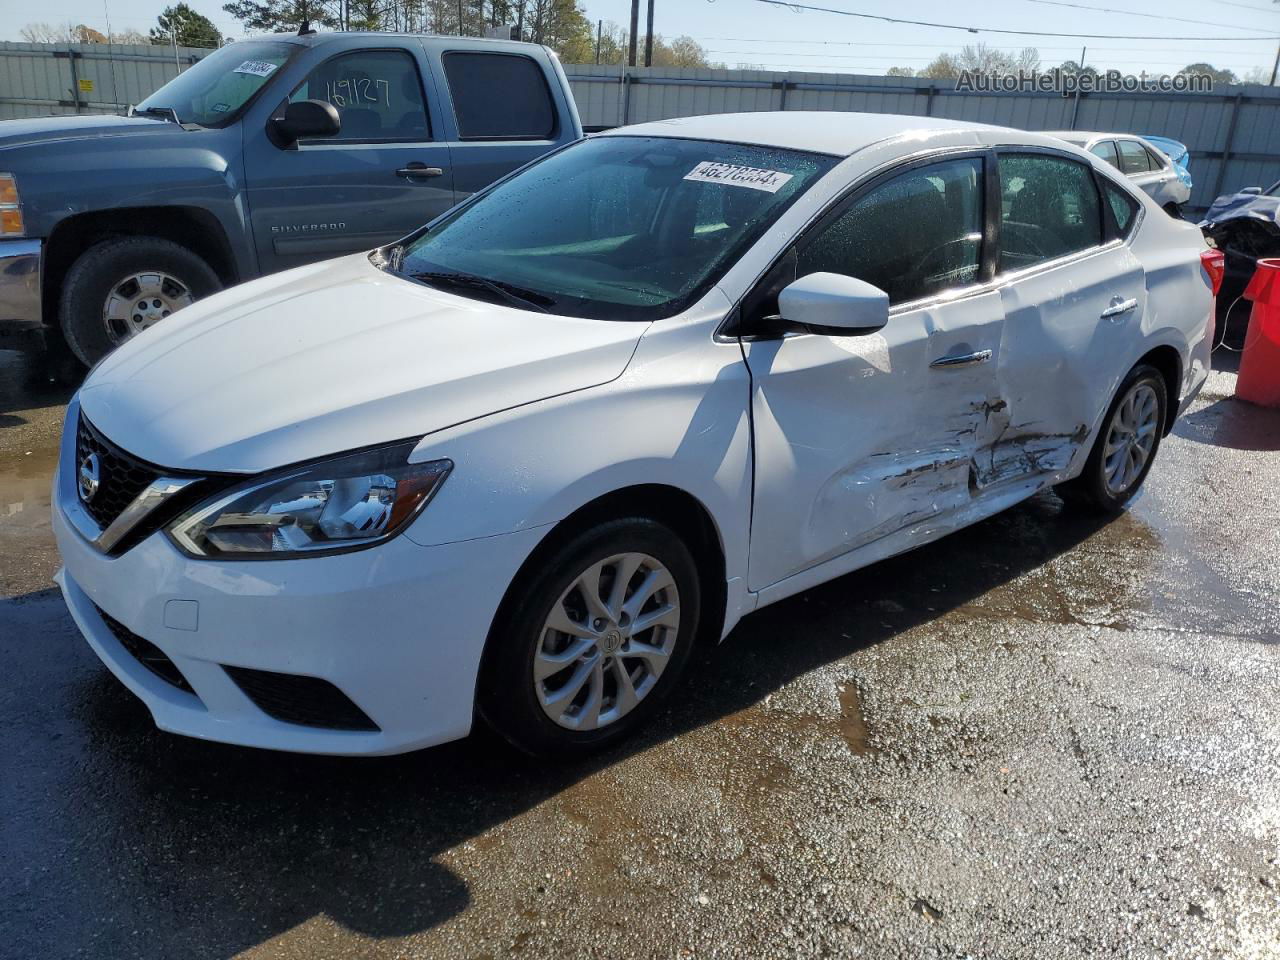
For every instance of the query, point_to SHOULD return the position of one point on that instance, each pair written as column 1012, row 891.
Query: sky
column 780, row 38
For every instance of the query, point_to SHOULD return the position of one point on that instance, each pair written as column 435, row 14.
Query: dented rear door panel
column 1061, row 359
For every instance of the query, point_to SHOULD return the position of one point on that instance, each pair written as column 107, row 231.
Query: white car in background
column 520, row 463
column 1142, row 162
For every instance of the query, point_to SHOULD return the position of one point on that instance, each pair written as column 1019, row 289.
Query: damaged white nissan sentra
column 514, row 466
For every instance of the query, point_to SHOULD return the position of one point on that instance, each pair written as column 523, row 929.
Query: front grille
column 121, row 476
column 146, row 653
column 306, row 701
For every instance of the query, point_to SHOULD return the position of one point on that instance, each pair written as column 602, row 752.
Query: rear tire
column 1174, row 210
column 1126, row 445
column 567, row 692
column 104, row 288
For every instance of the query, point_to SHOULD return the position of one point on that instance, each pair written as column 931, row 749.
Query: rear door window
column 499, row 96
column 1107, row 151
column 1133, row 157
column 378, row 95
column 913, row 236
column 1157, row 162
column 1048, row 208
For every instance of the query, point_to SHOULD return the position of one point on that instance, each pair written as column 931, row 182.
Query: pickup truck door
column 384, row 175
column 508, row 108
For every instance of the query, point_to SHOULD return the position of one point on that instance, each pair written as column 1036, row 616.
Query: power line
column 1150, row 16
column 895, row 59
column 788, row 4
column 887, row 43
column 1246, row 6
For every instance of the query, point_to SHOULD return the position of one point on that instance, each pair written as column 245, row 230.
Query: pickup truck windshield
column 615, row 227
column 213, row 91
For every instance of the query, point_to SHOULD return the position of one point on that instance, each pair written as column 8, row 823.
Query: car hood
column 16, row 133
column 1243, row 206
column 331, row 357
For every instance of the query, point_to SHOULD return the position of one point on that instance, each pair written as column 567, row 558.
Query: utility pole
column 635, row 29
column 460, row 18
column 1274, row 67
column 648, row 38
column 599, row 35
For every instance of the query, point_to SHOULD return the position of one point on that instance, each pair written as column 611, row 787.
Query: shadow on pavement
column 126, row 841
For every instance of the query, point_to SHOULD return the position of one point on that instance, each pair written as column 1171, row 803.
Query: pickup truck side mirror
column 1251, row 190
column 307, row 119
column 833, row 305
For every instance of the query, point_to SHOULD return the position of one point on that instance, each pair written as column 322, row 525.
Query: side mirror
column 307, row 119
column 1251, row 190
column 834, row 305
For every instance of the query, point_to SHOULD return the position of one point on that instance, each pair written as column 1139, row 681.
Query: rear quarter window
column 1124, row 209
column 499, row 96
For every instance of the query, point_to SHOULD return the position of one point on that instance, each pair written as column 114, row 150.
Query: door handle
column 1119, row 308
column 419, row 171
column 962, row 359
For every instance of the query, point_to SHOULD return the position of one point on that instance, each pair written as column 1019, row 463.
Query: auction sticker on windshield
column 756, row 178
column 256, row 68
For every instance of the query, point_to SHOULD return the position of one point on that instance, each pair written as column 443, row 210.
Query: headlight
column 11, row 224
column 345, row 503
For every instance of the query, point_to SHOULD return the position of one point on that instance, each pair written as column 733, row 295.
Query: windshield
column 619, row 228
column 214, row 91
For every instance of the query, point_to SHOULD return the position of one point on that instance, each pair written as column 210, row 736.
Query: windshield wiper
column 509, row 292
column 167, row 112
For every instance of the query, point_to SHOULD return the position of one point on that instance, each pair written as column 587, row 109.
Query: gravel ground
column 1045, row 736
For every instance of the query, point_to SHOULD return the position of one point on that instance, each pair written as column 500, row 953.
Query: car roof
column 831, row 132
column 1087, row 136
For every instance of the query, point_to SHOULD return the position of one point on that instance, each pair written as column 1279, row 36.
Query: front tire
column 119, row 287
column 1126, row 445
column 592, row 637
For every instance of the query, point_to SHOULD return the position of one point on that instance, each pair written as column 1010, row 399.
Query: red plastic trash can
column 1259, row 377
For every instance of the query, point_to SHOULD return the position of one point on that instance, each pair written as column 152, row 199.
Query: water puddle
column 853, row 725
column 25, row 480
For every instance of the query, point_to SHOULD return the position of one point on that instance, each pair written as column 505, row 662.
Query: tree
column 980, row 58
column 69, row 32
column 1208, row 70
column 279, row 15
column 186, row 26
column 1072, row 68
column 1257, row 75
column 899, row 72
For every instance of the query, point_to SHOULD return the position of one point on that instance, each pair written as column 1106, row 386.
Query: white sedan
column 519, row 464
column 1148, row 167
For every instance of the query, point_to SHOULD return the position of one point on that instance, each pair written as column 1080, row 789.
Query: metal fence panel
column 1233, row 135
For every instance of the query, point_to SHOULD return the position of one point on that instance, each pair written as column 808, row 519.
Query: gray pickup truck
column 267, row 154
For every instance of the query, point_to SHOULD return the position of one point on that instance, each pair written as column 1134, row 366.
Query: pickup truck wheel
column 117, row 288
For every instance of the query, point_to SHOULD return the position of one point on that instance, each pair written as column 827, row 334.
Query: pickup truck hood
column 330, row 357
column 16, row 133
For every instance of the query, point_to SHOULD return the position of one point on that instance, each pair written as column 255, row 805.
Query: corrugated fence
column 1233, row 134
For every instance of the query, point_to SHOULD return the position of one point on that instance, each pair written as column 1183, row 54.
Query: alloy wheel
column 1131, row 436
column 140, row 300
column 606, row 641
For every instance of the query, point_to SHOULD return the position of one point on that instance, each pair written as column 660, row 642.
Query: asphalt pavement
column 1049, row 735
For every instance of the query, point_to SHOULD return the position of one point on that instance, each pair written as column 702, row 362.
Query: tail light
column 1214, row 265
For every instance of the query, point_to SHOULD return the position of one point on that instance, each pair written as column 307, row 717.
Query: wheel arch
column 192, row 227
column 1168, row 361
column 676, row 508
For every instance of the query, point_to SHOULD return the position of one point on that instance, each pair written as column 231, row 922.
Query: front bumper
column 20, row 286
column 398, row 628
